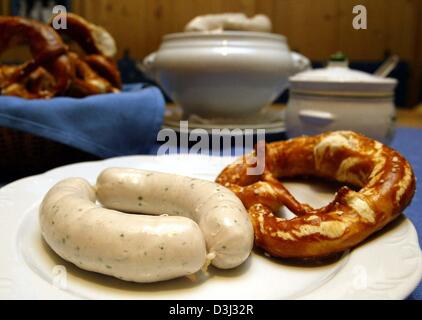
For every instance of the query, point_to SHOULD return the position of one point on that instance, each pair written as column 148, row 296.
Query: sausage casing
column 223, row 219
column 129, row 247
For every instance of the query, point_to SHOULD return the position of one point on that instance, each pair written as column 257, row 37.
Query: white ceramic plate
column 388, row 266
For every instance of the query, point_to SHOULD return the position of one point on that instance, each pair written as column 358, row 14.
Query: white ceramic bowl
column 227, row 74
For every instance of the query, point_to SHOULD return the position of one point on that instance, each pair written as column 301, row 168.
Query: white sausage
column 129, row 247
column 221, row 216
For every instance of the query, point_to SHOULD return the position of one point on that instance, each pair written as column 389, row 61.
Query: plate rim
column 272, row 127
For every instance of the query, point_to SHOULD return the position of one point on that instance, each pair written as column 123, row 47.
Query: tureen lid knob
column 338, row 59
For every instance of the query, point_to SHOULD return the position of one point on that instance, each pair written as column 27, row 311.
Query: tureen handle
column 314, row 117
column 300, row 63
column 148, row 66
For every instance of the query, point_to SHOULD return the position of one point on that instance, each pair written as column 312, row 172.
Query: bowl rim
column 224, row 34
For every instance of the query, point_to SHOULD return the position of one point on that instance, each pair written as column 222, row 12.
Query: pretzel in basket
column 48, row 52
column 384, row 179
column 95, row 71
column 87, row 82
column 54, row 69
column 91, row 38
column 105, row 68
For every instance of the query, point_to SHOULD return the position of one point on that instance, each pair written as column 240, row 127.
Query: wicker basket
column 23, row 154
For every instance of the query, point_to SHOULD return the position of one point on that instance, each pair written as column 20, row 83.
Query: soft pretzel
column 39, row 84
column 105, row 68
column 87, row 82
column 54, row 70
column 383, row 177
column 99, row 72
column 47, row 49
column 91, row 38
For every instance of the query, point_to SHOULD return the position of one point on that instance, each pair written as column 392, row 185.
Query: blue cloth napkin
column 106, row 125
column 408, row 142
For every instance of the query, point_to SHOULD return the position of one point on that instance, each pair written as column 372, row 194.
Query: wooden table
column 411, row 118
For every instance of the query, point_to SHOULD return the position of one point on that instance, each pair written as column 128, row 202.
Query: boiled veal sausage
column 223, row 219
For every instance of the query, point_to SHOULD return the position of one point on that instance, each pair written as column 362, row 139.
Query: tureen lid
column 338, row 78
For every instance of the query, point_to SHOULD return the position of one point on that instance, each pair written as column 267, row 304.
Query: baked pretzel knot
column 96, row 72
column 55, row 69
column 49, row 55
column 384, row 178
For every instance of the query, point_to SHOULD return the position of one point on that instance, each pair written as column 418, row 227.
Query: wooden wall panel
column 265, row 7
column 402, row 27
column 4, row 7
column 310, row 26
column 316, row 28
column 245, row 6
column 367, row 44
column 123, row 19
column 415, row 92
column 391, row 27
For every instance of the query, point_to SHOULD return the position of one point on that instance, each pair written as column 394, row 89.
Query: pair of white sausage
column 194, row 220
